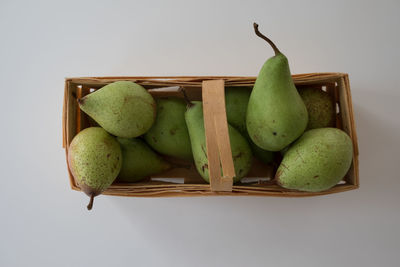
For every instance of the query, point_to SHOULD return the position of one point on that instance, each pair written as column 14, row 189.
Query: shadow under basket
column 184, row 180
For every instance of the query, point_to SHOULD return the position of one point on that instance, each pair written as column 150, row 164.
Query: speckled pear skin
column 241, row 152
column 236, row 100
column 94, row 158
column 139, row 161
column 317, row 161
column 320, row 107
column 276, row 114
column 169, row 134
column 122, row 108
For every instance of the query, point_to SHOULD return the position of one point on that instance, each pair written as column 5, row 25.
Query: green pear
column 122, row 108
column 139, row 161
column 320, row 108
column 94, row 158
column 169, row 134
column 317, row 161
column 236, row 100
column 276, row 114
column 241, row 152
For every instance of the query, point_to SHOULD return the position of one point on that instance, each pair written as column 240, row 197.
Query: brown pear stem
column 187, row 100
column 90, row 205
column 262, row 36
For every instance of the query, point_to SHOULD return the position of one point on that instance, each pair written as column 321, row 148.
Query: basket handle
column 217, row 136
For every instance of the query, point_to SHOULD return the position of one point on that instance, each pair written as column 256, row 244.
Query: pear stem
column 262, row 36
column 90, row 205
column 188, row 102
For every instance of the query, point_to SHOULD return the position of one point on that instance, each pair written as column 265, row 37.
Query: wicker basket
column 185, row 181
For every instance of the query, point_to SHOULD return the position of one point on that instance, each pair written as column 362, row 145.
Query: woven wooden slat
column 216, row 128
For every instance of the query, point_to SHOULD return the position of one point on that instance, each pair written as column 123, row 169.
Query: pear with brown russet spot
column 122, row 108
column 94, row 158
column 317, row 161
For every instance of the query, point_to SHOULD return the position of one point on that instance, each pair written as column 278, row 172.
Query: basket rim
column 146, row 77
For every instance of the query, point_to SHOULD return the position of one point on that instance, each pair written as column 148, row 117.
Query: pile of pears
column 274, row 122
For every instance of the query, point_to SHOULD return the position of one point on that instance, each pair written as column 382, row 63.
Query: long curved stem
column 262, row 36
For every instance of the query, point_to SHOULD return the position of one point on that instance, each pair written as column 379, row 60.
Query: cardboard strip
column 217, row 136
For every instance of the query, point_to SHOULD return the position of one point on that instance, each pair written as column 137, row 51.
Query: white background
column 44, row 223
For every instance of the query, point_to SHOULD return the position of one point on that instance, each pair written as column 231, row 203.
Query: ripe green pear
column 317, row 161
column 241, row 152
column 123, row 108
column 236, row 101
column 320, row 108
column 94, row 158
column 276, row 114
column 169, row 134
column 139, row 161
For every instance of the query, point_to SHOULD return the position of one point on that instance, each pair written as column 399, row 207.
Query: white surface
column 44, row 223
